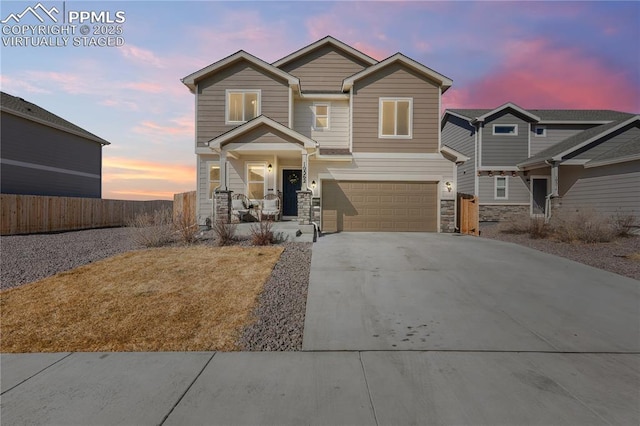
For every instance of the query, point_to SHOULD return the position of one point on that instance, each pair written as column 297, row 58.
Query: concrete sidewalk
column 357, row 388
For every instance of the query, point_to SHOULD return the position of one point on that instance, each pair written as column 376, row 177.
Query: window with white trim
column 540, row 131
column 501, row 188
column 395, row 118
column 321, row 116
column 214, row 178
column 505, row 129
column 242, row 106
column 256, row 181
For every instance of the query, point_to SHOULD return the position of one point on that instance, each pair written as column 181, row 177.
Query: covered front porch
column 261, row 160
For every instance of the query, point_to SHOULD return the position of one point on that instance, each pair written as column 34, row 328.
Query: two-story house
column 531, row 161
column 350, row 143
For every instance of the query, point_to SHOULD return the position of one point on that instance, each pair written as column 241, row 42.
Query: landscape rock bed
column 616, row 256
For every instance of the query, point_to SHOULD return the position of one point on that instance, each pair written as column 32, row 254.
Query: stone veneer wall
column 223, row 206
column 498, row 213
column 447, row 215
column 304, row 207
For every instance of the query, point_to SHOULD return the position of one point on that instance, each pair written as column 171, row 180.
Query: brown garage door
column 379, row 206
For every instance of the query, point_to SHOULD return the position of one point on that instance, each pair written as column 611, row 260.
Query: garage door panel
column 379, row 206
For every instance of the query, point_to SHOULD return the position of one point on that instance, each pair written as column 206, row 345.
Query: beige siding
column 606, row 189
column 517, row 192
column 264, row 134
column 211, row 98
column 396, row 81
column 324, row 69
column 386, row 169
column 338, row 134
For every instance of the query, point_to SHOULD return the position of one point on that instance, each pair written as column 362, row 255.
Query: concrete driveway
column 415, row 291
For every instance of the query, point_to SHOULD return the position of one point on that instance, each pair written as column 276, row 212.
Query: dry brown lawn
column 167, row 299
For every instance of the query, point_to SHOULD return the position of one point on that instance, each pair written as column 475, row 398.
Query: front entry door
column 539, row 194
column 291, row 182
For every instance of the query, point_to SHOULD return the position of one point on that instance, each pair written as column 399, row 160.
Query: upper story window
column 321, row 116
column 242, row 106
column 505, row 129
column 501, row 188
column 395, row 118
column 540, row 131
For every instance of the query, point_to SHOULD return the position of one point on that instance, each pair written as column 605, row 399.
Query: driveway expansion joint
column 35, row 374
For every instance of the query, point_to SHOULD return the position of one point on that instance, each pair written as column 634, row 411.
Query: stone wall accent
column 304, row 207
column 315, row 210
column 498, row 213
column 447, row 216
column 223, row 206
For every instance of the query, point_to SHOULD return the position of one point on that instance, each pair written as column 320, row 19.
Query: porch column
column 554, row 180
column 305, row 171
column 304, row 207
column 223, row 170
column 222, row 204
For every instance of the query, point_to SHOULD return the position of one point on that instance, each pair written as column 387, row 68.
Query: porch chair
column 270, row 207
column 239, row 206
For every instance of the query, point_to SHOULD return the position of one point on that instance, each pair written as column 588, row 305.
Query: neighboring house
column 351, row 143
column 533, row 161
column 43, row 154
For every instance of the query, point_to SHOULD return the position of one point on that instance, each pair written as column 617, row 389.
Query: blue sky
column 536, row 54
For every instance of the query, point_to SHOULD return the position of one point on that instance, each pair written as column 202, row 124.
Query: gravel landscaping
column 621, row 256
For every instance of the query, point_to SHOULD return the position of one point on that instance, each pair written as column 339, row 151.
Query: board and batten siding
column 337, row 136
column 324, row 69
column 555, row 133
column 504, row 150
column 29, row 150
column 517, row 192
column 460, row 135
column 396, row 80
column 607, row 189
column 211, row 98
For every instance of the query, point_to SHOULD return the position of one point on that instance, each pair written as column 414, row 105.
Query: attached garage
column 379, row 206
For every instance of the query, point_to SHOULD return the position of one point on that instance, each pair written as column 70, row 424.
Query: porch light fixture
column 313, row 184
column 448, row 186
column 269, row 168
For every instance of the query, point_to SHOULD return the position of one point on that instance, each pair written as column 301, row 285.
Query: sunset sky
column 536, row 54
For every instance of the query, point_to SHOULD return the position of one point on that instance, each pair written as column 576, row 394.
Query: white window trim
column 410, row 135
column 313, row 124
column 226, row 103
column 495, row 188
column 544, row 131
column 247, row 181
column 505, row 134
column 214, row 163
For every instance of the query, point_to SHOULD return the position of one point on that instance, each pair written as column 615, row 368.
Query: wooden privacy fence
column 185, row 204
column 468, row 222
column 29, row 214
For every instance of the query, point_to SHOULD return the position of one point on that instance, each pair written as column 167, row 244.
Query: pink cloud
column 143, row 86
column 535, row 75
column 120, row 103
column 17, row 86
column 181, row 126
column 140, row 55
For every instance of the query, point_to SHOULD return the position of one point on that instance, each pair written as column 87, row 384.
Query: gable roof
column 508, row 105
column 328, row 40
column 21, row 108
column 192, row 79
column 562, row 149
column 442, row 80
column 261, row 120
column 558, row 116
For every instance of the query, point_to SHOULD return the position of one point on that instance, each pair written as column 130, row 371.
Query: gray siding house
column 43, row 154
column 534, row 161
column 359, row 137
